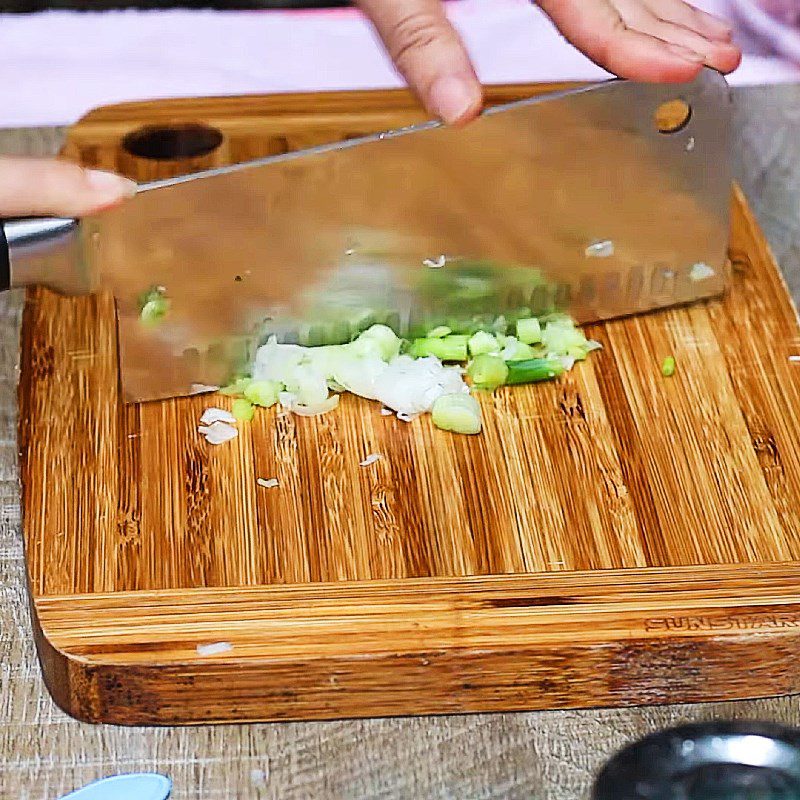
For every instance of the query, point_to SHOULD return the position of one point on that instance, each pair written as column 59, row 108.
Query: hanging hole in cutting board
column 672, row 116
column 172, row 142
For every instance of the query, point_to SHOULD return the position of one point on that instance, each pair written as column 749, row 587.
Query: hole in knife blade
column 672, row 116
column 172, row 142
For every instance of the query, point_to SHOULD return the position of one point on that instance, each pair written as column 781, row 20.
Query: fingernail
column 686, row 54
column 108, row 183
column 453, row 97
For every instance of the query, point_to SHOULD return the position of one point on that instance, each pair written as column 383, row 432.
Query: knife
column 141, row 786
column 585, row 201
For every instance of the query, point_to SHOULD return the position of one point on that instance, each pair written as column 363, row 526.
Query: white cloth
column 56, row 66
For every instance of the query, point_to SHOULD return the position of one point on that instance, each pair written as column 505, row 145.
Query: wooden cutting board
column 612, row 538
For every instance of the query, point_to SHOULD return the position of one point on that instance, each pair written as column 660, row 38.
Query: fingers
column 598, row 29
column 681, row 13
column 648, row 40
column 718, row 54
column 39, row 187
column 429, row 54
column 722, row 56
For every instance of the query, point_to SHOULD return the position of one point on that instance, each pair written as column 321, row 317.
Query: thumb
column 429, row 54
column 39, row 186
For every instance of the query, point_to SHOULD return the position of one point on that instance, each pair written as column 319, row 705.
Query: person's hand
column 664, row 41
column 47, row 187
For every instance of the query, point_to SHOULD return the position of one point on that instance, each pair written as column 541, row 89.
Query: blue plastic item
column 140, row 786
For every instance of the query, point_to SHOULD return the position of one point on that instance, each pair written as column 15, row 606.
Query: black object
column 5, row 259
column 710, row 761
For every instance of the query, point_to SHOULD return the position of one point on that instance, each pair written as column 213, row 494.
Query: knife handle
column 25, row 245
column 5, row 259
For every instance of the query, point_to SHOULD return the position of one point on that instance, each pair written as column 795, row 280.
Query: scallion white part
column 316, row 410
column 213, row 414
column 218, row 432
column 412, row 386
column 529, row 331
column 459, row 413
column 483, row 342
column 515, row 350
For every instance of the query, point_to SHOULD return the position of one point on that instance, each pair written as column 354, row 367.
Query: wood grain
column 142, row 541
column 441, row 646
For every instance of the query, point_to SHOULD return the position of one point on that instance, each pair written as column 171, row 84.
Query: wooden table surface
column 543, row 755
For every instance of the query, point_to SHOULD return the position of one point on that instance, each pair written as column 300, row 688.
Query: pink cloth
column 56, row 66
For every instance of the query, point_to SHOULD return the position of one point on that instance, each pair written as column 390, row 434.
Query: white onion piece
column 316, row 409
column 218, row 432
column 568, row 362
column 358, row 375
column 274, row 361
column 411, row 386
column 307, row 384
column 212, row 415
column 287, row 399
column 370, row 459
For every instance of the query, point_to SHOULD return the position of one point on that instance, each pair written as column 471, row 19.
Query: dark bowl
column 708, row 761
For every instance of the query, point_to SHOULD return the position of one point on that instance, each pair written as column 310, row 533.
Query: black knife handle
column 24, row 243
column 5, row 259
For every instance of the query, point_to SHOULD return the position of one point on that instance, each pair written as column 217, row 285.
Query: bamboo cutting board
column 612, row 538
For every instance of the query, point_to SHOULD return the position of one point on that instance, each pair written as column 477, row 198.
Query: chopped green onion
column 488, row 371
column 263, row 393
column 460, row 413
column 515, row 350
column 560, row 336
column 449, row 348
column 384, row 338
column 153, row 306
column 529, row 331
column 359, row 323
column 440, row 332
column 482, row 342
column 237, row 388
column 533, row 370
column 668, row 367
column 242, row 410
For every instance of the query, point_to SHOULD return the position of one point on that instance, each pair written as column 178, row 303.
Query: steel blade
column 575, row 201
